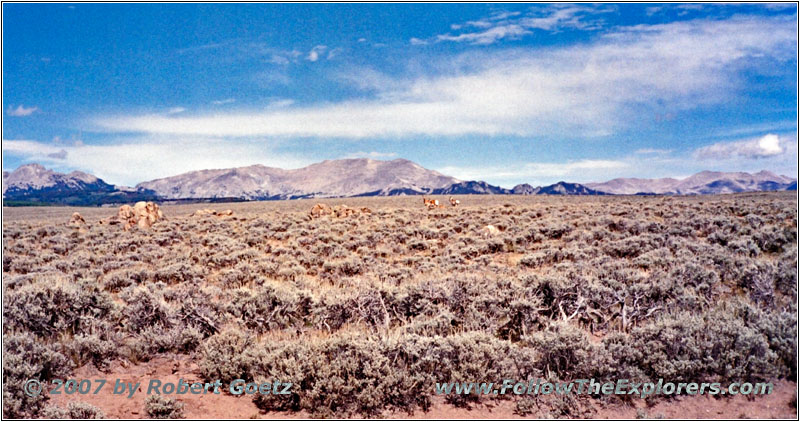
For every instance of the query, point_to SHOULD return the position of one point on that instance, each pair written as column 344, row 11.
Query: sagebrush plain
column 365, row 313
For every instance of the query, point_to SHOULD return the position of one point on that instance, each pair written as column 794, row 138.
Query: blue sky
column 506, row 93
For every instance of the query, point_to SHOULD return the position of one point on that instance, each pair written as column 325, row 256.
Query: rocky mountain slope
column 706, row 182
column 560, row 188
column 330, row 178
column 33, row 184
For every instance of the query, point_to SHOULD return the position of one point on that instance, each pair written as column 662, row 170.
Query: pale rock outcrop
column 339, row 211
column 490, row 230
column 77, row 220
column 142, row 214
column 210, row 212
column 342, row 211
column 319, row 210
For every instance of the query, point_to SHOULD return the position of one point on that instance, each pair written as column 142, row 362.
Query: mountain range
column 33, row 184
column 330, row 178
column 706, row 182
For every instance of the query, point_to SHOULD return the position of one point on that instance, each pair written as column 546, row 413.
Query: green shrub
column 564, row 351
column 160, row 407
column 270, row 307
column 145, row 309
column 353, row 374
column 23, row 359
column 92, row 348
column 720, row 344
column 48, row 308
column 343, row 376
column 227, row 356
column 74, row 410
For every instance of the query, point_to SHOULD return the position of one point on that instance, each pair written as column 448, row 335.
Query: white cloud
column 237, row 50
column 572, row 170
column 489, row 36
column 334, row 52
column 28, row 148
column 690, row 6
column 176, row 110
column 134, row 161
column 417, row 41
column 656, row 151
column 564, row 17
column 779, row 6
column 315, row 52
column 767, row 146
column 278, row 59
column 276, row 103
column 653, row 10
column 372, row 154
column 510, row 25
column 223, row 102
column 504, row 15
column 21, row 111
column 584, row 90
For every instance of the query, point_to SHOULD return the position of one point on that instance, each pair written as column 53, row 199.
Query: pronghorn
column 454, row 202
column 430, row 203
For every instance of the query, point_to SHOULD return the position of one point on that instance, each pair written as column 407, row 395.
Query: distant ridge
column 560, row 188
column 33, row 184
column 330, row 178
column 703, row 183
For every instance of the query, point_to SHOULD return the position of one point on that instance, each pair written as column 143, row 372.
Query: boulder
column 209, row 212
column 339, row 211
column 76, row 220
column 319, row 210
column 142, row 214
column 490, row 230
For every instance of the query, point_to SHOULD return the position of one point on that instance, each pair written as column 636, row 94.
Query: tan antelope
column 454, row 202
column 430, row 203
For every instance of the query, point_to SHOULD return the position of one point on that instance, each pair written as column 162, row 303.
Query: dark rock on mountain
column 471, row 188
column 564, row 188
column 33, row 184
column 523, row 189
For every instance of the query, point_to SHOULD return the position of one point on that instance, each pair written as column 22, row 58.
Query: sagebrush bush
column 74, row 410
column 271, row 306
column 48, row 308
column 353, row 375
column 723, row 343
column 25, row 358
column 227, row 356
column 564, row 351
column 161, row 407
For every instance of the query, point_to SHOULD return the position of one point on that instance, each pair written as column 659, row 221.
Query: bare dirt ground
column 778, row 405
